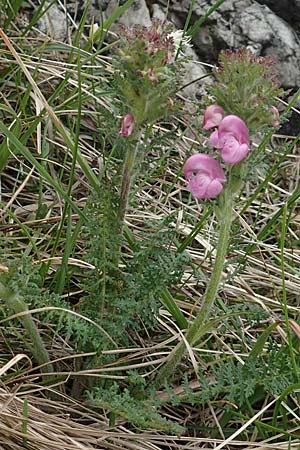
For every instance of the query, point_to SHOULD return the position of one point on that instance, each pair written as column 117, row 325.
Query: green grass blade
column 285, row 393
column 271, row 172
column 12, row 8
column 25, row 422
column 5, row 151
column 182, row 247
column 169, row 302
column 197, row 25
column 259, row 344
column 284, row 294
column 62, row 273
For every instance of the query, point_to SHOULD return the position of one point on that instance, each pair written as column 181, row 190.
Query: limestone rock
column 247, row 23
column 54, row 23
column 137, row 14
column 158, row 12
column 289, row 10
column 195, row 76
column 257, row 27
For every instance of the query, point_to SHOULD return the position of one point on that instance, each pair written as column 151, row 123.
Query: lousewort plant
column 243, row 104
column 147, row 66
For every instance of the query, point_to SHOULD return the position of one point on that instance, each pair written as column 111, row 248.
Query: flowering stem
column 197, row 328
column 128, row 171
column 17, row 305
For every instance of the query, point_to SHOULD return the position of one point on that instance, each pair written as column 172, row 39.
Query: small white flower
column 93, row 28
column 180, row 40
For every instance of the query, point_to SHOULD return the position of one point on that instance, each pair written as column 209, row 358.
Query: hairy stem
column 127, row 177
column 17, row 305
column 196, row 329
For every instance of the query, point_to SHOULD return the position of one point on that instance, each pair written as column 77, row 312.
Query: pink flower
column 127, row 125
column 205, row 176
column 232, row 137
column 214, row 139
column 212, row 116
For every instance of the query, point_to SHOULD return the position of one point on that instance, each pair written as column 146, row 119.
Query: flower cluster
column 244, row 94
column 247, row 87
column 147, row 69
column 204, row 173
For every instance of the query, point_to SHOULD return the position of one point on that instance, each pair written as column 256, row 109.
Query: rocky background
column 267, row 27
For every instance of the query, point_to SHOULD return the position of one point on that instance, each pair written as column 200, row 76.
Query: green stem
column 17, row 305
column 127, row 178
column 119, row 213
column 197, row 328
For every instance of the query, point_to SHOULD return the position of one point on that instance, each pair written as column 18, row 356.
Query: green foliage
column 102, row 242
column 153, row 267
column 131, row 278
column 20, row 148
column 58, row 313
column 9, row 11
column 22, row 277
column 127, row 299
column 266, row 370
column 141, row 413
column 5, row 148
column 270, row 372
column 146, row 275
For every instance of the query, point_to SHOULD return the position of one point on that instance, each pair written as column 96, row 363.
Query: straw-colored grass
column 258, row 270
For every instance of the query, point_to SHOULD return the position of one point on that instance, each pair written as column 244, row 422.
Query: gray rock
column 158, row 12
column 195, row 72
column 195, row 79
column 289, row 10
column 246, row 23
column 137, row 14
column 257, row 27
column 54, row 23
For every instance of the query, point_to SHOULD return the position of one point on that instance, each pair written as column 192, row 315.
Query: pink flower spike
column 205, row 176
column 127, row 125
column 212, row 116
column 233, row 139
